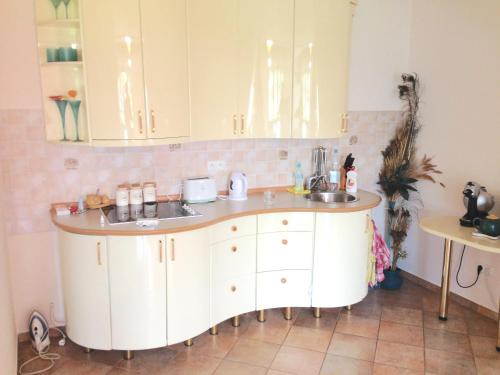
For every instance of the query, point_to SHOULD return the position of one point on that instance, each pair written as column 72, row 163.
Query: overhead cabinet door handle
column 139, row 116
column 153, row 121
column 235, row 125
column 161, row 250
column 172, row 241
column 242, row 129
column 99, row 262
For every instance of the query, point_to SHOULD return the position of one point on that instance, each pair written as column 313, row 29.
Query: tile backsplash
column 37, row 173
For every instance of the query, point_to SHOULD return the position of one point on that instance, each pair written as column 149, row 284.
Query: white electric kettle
column 238, row 186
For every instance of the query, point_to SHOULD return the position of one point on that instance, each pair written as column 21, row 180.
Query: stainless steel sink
column 331, row 197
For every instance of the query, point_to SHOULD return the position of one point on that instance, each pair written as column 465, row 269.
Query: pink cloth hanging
column 381, row 253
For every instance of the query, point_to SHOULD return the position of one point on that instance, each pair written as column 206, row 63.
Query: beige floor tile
column 356, row 325
column 336, row 365
column 487, row 366
column 298, row 361
column 484, row 347
column 400, row 355
column 188, row 364
column 275, row 372
column 402, row 300
column 327, row 321
column 253, row 352
column 120, row 371
column 245, row 320
column 353, row 346
column 447, row 363
column 148, row 360
column 402, row 333
column 478, row 325
column 237, row 368
column 447, row 341
column 273, row 330
column 74, row 367
column 211, row 345
column 402, row 315
column 365, row 309
column 308, row 338
column 379, row 369
column 453, row 324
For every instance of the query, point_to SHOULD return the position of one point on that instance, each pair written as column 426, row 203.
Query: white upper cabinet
column 240, row 58
column 135, row 52
column 321, row 63
column 113, row 57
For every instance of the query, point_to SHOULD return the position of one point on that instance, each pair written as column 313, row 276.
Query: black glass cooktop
column 137, row 212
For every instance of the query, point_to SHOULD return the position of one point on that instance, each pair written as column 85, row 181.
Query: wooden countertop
column 212, row 213
column 449, row 227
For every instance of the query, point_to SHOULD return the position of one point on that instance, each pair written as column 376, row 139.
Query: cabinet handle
column 172, row 241
column 235, row 125
column 161, row 250
column 283, row 280
column 284, row 241
column 233, row 249
column 139, row 115
column 367, row 226
column 99, row 262
column 233, row 289
column 284, row 222
column 242, row 129
column 153, row 121
column 234, row 228
column 345, row 122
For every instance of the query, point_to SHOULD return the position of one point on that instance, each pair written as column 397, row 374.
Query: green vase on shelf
column 56, row 4
column 66, row 2
column 75, row 107
column 61, row 106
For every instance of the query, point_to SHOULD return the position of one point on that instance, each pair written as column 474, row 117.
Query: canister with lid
column 149, row 192
column 136, row 194
column 122, row 195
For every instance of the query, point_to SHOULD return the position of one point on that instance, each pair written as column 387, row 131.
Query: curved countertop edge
column 72, row 224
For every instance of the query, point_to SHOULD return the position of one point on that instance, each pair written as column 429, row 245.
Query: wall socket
column 216, row 165
column 283, row 154
column 71, row 163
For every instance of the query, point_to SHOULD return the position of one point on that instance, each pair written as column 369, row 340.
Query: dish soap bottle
column 351, row 185
column 335, row 172
column 299, row 179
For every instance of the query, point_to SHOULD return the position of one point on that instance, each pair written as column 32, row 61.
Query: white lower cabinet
column 340, row 258
column 234, row 258
column 188, row 285
column 84, row 264
column 284, row 250
column 138, row 290
column 232, row 297
column 283, row 288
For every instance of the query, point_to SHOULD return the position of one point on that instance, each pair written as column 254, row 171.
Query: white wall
column 8, row 336
column 379, row 54
column 455, row 48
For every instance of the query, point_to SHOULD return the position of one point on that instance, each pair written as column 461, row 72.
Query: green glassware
column 66, row 2
column 56, row 4
column 75, row 107
column 61, row 106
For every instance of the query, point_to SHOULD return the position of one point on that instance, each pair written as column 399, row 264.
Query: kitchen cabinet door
column 188, row 285
column 112, row 50
column 138, row 289
column 340, row 258
column 265, row 56
column 213, row 68
column 321, row 62
column 164, row 38
column 84, row 271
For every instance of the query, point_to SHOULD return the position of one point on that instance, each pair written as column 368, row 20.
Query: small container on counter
column 136, row 194
column 149, row 192
column 150, row 210
column 122, row 195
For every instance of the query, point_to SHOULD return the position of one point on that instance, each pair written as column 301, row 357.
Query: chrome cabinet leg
column 188, row 342
column 445, row 280
column 87, row 350
column 348, row 307
column 317, row 312
column 287, row 313
column 235, row 321
column 128, row 355
column 261, row 316
column 214, row 330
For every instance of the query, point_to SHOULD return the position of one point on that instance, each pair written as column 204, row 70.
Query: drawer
column 283, row 288
column 232, row 297
column 286, row 221
column 233, row 228
column 284, row 250
column 234, row 258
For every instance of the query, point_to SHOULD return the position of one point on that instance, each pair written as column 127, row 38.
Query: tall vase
column 61, row 105
column 75, row 107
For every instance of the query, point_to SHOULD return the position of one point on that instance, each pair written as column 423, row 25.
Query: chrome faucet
column 318, row 180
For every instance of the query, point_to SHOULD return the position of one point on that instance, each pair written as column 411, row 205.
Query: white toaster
column 199, row 190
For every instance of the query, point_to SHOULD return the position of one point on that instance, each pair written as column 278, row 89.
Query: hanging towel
column 382, row 255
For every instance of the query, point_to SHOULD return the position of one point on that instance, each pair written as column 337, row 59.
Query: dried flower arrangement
column 401, row 170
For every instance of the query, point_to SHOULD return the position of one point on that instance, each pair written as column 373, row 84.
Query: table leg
column 445, row 280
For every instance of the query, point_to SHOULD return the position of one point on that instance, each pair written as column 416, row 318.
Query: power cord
column 479, row 270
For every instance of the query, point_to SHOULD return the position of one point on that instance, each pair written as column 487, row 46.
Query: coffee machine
column 477, row 201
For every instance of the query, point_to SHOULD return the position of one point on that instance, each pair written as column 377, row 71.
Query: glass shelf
column 60, row 23
column 63, row 63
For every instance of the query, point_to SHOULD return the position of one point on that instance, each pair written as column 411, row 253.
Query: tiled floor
column 388, row 333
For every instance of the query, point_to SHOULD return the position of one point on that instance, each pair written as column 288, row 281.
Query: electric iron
column 39, row 332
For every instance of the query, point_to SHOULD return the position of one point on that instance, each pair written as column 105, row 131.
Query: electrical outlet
column 283, row 154
column 71, row 163
column 487, row 270
column 216, row 165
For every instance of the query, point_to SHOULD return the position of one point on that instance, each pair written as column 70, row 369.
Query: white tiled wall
column 35, row 174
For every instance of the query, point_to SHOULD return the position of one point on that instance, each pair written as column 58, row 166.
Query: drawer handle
column 233, row 289
column 160, row 243
column 283, row 280
column 234, row 228
column 233, row 249
column 284, row 222
column 172, row 241
column 99, row 262
column 284, row 242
